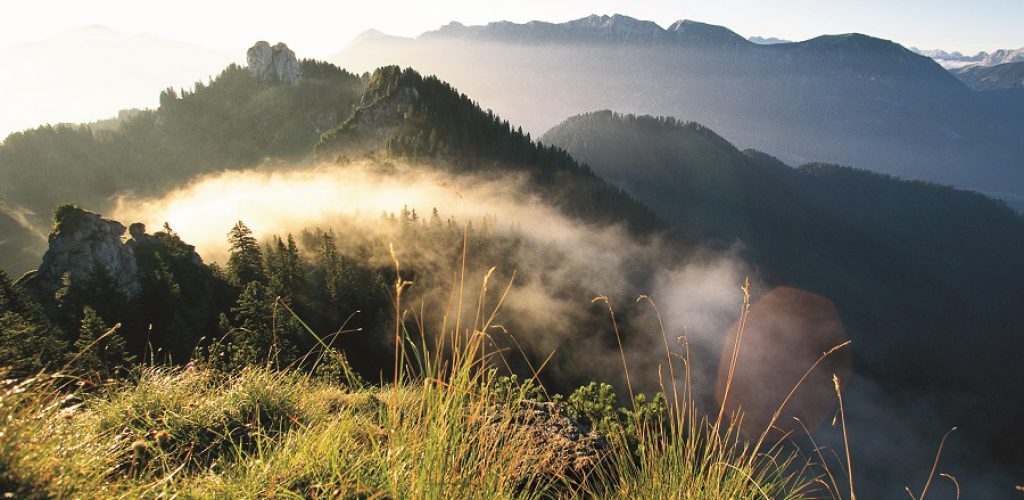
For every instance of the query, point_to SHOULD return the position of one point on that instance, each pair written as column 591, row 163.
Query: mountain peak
column 456, row 29
column 372, row 34
column 865, row 46
column 92, row 33
column 693, row 31
column 857, row 41
column 613, row 22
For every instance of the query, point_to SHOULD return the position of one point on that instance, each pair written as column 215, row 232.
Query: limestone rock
column 369, row 127
column 80, row 242
column 273, row 64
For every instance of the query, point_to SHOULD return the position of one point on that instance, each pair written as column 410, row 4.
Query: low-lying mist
column 561, row 264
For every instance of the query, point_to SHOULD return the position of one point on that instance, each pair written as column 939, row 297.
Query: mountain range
column 849, row 99
column 954, row 60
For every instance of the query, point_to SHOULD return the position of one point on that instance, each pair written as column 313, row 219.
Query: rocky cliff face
column 79, row 242
column 82, row 243
column 369, row 127
column 277, row 63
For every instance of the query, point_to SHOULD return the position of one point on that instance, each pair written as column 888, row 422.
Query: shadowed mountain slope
column 924, row 276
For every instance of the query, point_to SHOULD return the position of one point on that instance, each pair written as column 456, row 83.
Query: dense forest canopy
column 427, row 119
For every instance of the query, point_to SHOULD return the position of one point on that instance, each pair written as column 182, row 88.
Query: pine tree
column 435, row 219
column 28, row 342
column 259, row 335
column 331, row 268
column 403, row 216
column 245, row 264
column 284, row 269
column 98, row 349
column 70, row 301
column 251, row 338
column 88, row 347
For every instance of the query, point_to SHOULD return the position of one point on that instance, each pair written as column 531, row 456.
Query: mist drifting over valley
column 554, row 253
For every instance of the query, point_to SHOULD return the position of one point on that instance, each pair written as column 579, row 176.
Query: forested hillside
column 173, row 304
column 560, row 231
column 406, row 116
column 234, row 121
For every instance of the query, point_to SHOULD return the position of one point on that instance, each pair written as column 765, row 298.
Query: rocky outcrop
column 370, row 126
column 83, row 243
column 273, row 64
column 79, row 243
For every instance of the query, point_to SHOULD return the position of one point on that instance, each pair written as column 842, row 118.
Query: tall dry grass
column 445, row 428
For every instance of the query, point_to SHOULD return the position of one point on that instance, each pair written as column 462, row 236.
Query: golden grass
column 440, row 430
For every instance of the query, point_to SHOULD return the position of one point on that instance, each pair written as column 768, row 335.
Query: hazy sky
column 319, row 28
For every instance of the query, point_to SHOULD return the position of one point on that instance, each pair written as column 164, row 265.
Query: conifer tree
column 261, row 334
column 284, row 269
column 331, row 266
column 28, row 342
column 245, row 264
column 88, row 349
column 98, row 349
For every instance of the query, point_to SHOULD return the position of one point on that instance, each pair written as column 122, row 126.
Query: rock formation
column 273, row 64
column 82, row 242
column 79, row 242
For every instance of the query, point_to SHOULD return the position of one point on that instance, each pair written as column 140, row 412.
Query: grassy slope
column 261, row 433
column 447, row 429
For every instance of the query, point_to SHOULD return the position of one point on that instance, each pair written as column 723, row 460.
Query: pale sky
column 320, row 28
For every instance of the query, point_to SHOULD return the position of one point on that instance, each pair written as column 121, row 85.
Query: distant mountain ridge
column 1000, row 77
column 770, row 40
column 620, row 29
column 591, row 29
column 848, row 99
column 957, row 59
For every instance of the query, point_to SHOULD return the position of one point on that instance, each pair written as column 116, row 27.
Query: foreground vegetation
column 447, row 427
column 265, row 433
